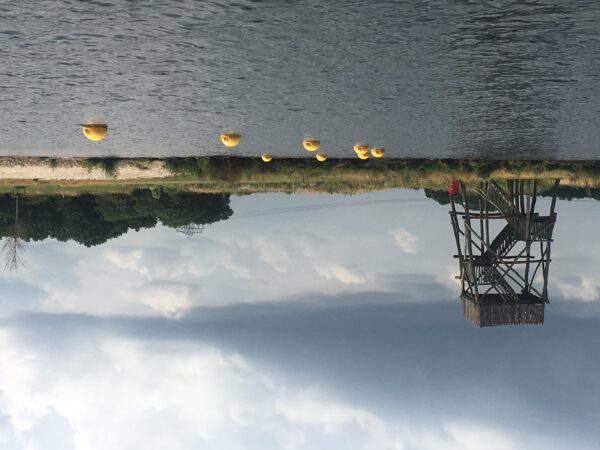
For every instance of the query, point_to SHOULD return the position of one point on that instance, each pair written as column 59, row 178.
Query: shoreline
column 75, row 169
column 238, row 174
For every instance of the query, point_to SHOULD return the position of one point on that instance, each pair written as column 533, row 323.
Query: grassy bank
column 247, row 175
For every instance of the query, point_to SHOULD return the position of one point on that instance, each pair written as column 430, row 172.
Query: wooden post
column 487, row 217
column 528, row 235
column 521, row 195
column 554, row 189
column 535, row 184
column 455, row 228
column 481, row 217
column 468, row 243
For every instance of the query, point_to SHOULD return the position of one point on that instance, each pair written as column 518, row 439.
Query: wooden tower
column 503, row 246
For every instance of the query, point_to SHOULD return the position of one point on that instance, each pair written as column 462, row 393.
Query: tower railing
column 504, row 242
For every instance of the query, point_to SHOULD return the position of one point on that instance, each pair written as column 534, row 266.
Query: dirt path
column 74, row 169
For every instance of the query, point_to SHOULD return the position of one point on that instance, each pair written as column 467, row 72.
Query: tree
column 94, row 219
column 13, row 247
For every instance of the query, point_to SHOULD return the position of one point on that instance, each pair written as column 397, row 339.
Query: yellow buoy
column 361, row 148
column 230, row 139
column 362, row 155
column 311, row 144
column 321, row 157
column 377, row 152
column 94, row 132
column 266, row 157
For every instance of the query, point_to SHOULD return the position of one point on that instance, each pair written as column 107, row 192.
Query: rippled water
column 493, row 79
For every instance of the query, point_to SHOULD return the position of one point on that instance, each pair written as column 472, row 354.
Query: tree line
column 93, row 219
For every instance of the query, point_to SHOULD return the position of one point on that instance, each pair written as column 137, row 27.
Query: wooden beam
column 468, row 243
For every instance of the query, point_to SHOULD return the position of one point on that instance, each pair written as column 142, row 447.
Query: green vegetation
column 108, row 165
column 350, row 174
column 189, row 167
column 93, row 219
column 341, row 175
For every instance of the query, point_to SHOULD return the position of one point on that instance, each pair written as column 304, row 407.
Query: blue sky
column 336, row 326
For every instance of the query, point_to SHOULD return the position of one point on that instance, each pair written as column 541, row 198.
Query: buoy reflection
column 377, row 152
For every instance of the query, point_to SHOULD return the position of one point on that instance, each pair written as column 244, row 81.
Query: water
column 423, row 79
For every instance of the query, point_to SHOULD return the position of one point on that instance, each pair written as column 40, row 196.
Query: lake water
column 423, row 79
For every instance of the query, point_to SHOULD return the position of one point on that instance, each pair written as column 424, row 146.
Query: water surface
column 426, row 79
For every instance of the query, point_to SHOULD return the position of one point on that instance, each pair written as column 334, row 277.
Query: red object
column 453, row 187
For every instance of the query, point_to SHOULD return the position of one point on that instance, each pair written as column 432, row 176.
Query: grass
column 109, row 166
column 341, row 175
column 412, row 173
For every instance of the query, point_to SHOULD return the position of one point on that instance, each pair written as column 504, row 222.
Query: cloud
column 164, row 396
column 299, row 376
column 387, row 363
column 254, row 261
column 473, row 436
column 168, row 300
column 405, row 240
column 7, row 434
column 138, row 397
column 579, row 287
column 125, row 259
column 50, row 428
column 333, row 271
column 179, row 397
column 272, row 253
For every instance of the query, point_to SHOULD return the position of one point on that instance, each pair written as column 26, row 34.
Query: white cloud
column 158, row 395
column 257, row 260
column 124, row 259
column 474, row 436
column 260, row 260
column 177, row 397
column 129, row 394
column 238, row 270
column 311, row 408
column 272, row 253
column 171, row 301
column 586, row 288
column 132, row 395
column 338, row 272
column 405, row 240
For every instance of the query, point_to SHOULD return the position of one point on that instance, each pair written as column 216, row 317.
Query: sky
column 304, row 321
